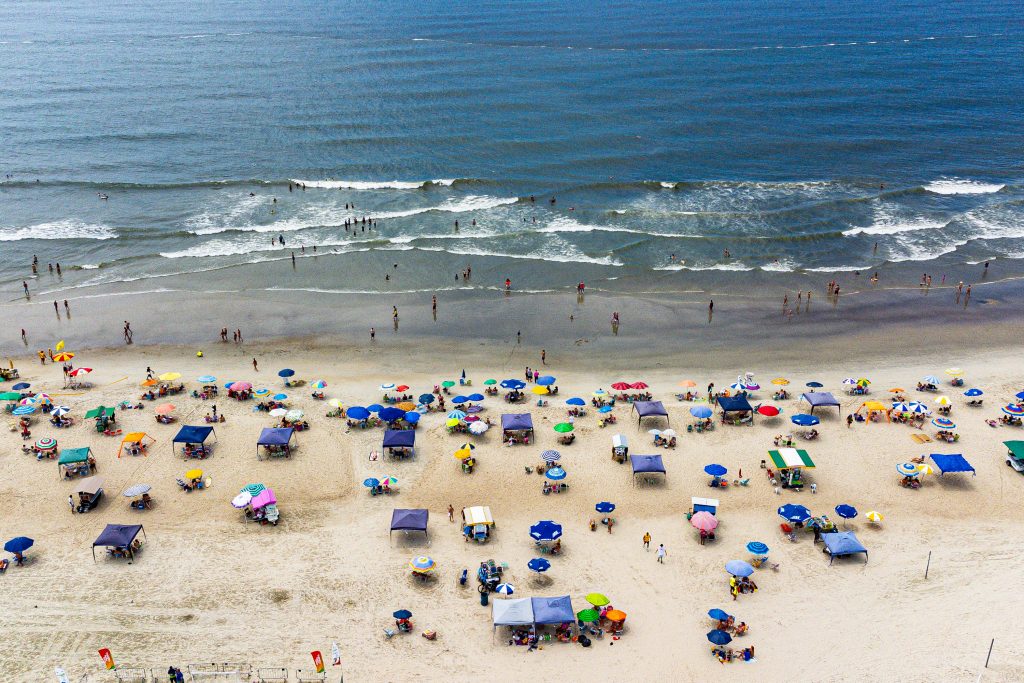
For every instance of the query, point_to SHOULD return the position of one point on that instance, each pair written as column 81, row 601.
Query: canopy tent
column 874, row 407
column 276, row 436
column 97, row 412
column 139, row 438
column 478, row 514
column 650, row 409
column 409, row 520
column 736, row 404
column 704, row 505
column 557, row 610
column 118, row 536
column 191, row 434
column 73, row 456
column 843, row 543
column 399, row 438
column 515, row 612
column 788, row 458
column 820, row 399
column 516, row 422
column 951, row 463
column 647, row 464
column 1015, row 449
column 90, row 485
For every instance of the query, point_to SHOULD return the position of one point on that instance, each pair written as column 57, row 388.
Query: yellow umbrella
column 942, row 401
column 463, row 453
column 334, row 402
column 539, row 390
column 194, row 474
column 954, row 372
column 926, row 469
column 874, row 516
column 406, row 406
column 780, row 381
column 169, row 376
column 63, row 357
column 452, row 422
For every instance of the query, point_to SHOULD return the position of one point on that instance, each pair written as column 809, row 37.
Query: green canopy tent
column 72, row 456
column 96, row 412
column 1015, row 454
column 10, row 396
column 790, row 462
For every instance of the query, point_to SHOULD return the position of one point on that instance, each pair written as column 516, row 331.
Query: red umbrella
column 402, row 387
column 704, row 521
column 768, row 411
column 621, row 386
column 79, row 371
column 639, row 385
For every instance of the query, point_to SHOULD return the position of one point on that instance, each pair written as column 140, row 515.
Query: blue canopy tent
column 277, row 441
column 401, row 440
column 118, row 536
column 409, row 520
column 952, row 463
column 647, row 464
column 556, row 610
column 516, row 422
column 843, row 543
column 192, row 434
column 650, row 409
column 819, row 399
column 736, row 404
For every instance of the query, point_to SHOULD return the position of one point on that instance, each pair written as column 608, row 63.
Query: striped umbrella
column 46, row 443
column 550, row 456
column 505, row 589
column 926, row 469
column 944, row 423
column 261, row 392
column 919, row 408
column 874, row 516
column 422, row 564
column 206, row 379
column 387, row 387
column 319, row 384
column 757, row 548
column 555, row 474
column 901, row 407
column 253, row 489
column 241, row 500
column 930, row 379
column 1009, row 409
column 78, row 372
column 23, row 410
column 60, row 411
column 456, row 415
column 850, row 381
column 63, row 356
column 942, row 401
column 907, row 469
column 388, row 480
column 136, row 490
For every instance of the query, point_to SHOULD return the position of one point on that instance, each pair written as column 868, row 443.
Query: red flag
column 108, row 659
column 318, row 660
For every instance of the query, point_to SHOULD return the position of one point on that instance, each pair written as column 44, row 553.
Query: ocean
column 154, row 146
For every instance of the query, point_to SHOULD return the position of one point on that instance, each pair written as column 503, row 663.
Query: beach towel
column 920, row 438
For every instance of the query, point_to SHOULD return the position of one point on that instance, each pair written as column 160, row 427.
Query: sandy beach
column 207, row 587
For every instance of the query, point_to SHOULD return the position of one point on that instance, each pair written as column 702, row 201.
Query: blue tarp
column 191, row 434
column 819, row 399
column 734, row 404
column 647, row 463
column 843, row 543
column 409, row 520
column 553, row 610
column 516, row 422
column 650, row 409
column 399, row 438
column 951, row 463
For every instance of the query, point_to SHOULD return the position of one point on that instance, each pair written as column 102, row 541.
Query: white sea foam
column 374, row 184
column 732, row 265
column 562, row 253
column 838, row 269
column 893, row 226
column 783, row 265
column 564, row 224
column 89, row 266
column 67, row 229
column 960, row 186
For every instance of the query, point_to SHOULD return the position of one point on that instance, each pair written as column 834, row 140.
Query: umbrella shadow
column 541, row 581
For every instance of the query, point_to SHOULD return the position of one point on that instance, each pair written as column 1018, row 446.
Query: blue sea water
column 802, row 137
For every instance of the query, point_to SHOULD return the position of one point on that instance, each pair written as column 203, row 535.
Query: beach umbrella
column 334, row 402
column 704, row 521
column 804, row 420
column 814, row 385
column 402, row 387
column 907, row 469
column 426, row 399
column 540, row 391
column 136, row 490
column 476, row 397
column 467, row 447
column 422, row 564
column 412, row 417
column 490, row 382
column 846, row 511
column 253, row 489
column 448, row 384
column 169, row 376
column 29, row 401
column 451, row 422
column 621, row 386
column 545, row 380
column 546, row 530
column 375, row 407
column 263, row 499
column 588, row 615
column 358, row 413
column 505, row 589
column 780, row 381
column 600, row 393
column 60, row 411
column 719, row 637
column 701, row 412
column 371, row 483
column 794, row 513
column 768, row 411
column 261, row 392
column 930, row 379
column 550, row 456
column 10, row 396
column 463, row 453
column 954, row 372
column 194, row 474
column 919, row 408
column 24, row 410
column 539, row 565
column 597, row 599
column 944, row 423
column 1020, row 395
column 604, row 507
column 278, row 412
column 456, row 415
column 715, row 470
column 901, row 407
column 287, row 372
column 563, row 427
column 514, row 384
column 388, row 480
column 897, row 390
column 604, row 409
column 615, row 615
column 18, row 544
column 227, row 385
column 719, row 614
column 863, row 382
column 1009, row 409
column 460, row 399
column 46, row 443
column 738, row 386
column 319, row 384
column 164, row 409
column 280, row 397
column 391, row 414
column 556, row 474
column 849, row 381
column 739, row 568
column 688, row 383
column 752, row 386
column 206, row 379
column 241, row 500
column 925, row 469
column 975, row 392
column 478, row 428
column 402, row 614
column 638, row 385
column 63, row 356
column 575, row 401
column 874, row 516
column 942, row 401
column 293, row 415
column 757, row 548
column 78, row 372
column 240, row 386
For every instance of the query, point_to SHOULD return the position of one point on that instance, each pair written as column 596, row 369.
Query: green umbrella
column 588, row 615
column 254, row 489
column 447, row 384
column 489, row 382
column 10, row 396
column 563, row 427
column 597, row 599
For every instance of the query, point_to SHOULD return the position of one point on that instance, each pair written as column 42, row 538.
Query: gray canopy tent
column 647, row 464
column 650, row 409
column 820, row 399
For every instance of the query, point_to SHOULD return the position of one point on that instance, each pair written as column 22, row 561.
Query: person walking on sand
column 67, row 309
column 373, row 334
column 543, row 357
column 42, row 357
column 451, row 513
column 25, row 285
column 967, row 296
column 661, row 553
column 647, row 541
column 71, row 502
column 239, row 335
column 255, row 366
column 433, row 303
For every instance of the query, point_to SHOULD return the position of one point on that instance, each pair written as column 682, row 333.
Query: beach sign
column 318, row 660
column 108, row 659
column 335, row 654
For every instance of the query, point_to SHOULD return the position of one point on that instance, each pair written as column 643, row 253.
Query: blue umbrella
column 739, row 568
column 604, row 409
column 280, row 397
column 719, row 614
column 804, row 420
column 555, row 474
column 815, row 385
column 550, row 456
column 402, row 614
column 261, row 392
column 391, row 414
column 700, row 412
column 1020, row 395
column 24, row 410
column 539, row 565
column 546, row 530
column 505, row 589
column 512, row 384
column 426, row 399
column 604, row 507
column 757, row 548
column 412, row 417
column 794, row 512
column 715, row 470
column 575, row 401
column 287, row 372
column 358, row 413
column 979, row 392
column 371, row 483
column 475, row 397
column 18, row 544
column 375, row 407
column 227, row 385
column 21, row 385
column 719, row 637
column 206, row 379
column 460, row 399
column 846, row 511
column 545, row 380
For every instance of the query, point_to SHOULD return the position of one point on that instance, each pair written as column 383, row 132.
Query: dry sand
column 207, row 587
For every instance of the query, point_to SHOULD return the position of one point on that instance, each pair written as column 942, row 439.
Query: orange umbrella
column 615, row 615
column 407, row 406
column 688, row 383
column 164, row 409
column 63, row 356
column 149, row 383
column 896, row 390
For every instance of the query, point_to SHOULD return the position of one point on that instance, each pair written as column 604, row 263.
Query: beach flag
column 318, row 660
column 335, row 654
column 59, row 346
column 108, row 659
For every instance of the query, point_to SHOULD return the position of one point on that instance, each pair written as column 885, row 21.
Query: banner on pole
column 108, row 659
column 318, row 660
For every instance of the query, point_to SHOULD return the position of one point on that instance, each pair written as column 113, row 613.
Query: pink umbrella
column 264, row 498
column 240, row 386
column 621, row 386
column 639, row 385
column 704, row 521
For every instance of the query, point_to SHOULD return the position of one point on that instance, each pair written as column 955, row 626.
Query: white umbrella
column 478, row 427
column 294, row 415
column 241, row 500
column 278, row 412
column 387, row 387
column 136, row 490
column 669, row 433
